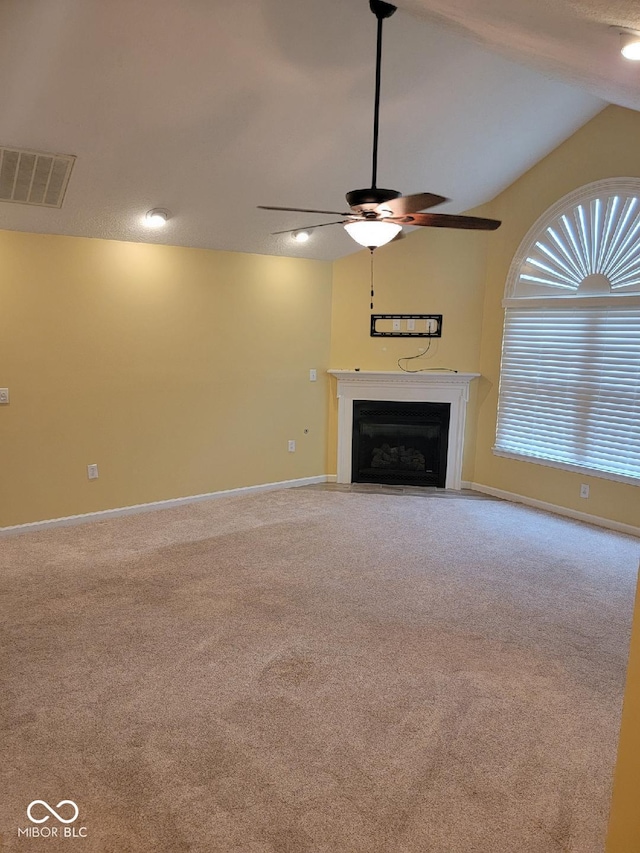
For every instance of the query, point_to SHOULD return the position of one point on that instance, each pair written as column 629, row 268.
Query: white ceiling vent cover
column 34, row 177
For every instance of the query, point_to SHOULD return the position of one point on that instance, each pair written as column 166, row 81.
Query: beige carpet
column 316, row 671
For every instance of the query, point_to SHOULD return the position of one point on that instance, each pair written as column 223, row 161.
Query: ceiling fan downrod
column 381, row 11
column 373, row 196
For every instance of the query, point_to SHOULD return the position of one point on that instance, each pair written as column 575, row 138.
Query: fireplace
column 400, row 443
column 379, row 386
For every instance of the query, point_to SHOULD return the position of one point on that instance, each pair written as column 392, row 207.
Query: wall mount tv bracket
column 406, row 325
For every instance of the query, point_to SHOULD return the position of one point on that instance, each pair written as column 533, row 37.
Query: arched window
column 570, row 373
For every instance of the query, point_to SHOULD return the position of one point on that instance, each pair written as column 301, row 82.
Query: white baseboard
column 101, row 515
column 609, row 523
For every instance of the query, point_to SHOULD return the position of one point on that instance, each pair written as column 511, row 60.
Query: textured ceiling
column 571, row 39
column 211, row 108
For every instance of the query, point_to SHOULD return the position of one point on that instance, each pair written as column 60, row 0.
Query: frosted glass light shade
column 372, row 232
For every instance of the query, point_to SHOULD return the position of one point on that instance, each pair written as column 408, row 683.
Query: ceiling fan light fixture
column 372, row 233
column 157, row 218
column 630, row 45
column 302, row 236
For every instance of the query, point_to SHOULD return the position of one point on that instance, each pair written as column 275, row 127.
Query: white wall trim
column 609, row 523
column 105, row 514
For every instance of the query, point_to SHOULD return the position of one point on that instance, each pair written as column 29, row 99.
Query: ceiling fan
column 377, row 215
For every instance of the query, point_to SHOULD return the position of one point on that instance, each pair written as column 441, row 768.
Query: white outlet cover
column 292, row 446
column 313, row 375
column 4, row 396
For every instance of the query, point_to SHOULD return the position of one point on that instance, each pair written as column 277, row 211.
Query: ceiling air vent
column 34, row 177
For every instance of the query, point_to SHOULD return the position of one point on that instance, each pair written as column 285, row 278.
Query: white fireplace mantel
column 397, row 386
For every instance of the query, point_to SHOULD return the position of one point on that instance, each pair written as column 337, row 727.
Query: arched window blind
column 570, row 373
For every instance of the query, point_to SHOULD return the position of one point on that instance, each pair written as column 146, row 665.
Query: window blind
column 570, row 388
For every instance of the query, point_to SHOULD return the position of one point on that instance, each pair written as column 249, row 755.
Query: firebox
column 403, row 444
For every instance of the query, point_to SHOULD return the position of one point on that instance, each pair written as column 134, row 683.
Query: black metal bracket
column 425, row 326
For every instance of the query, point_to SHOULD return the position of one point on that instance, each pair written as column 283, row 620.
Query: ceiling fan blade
column 412, row 203
column 304, row 210
column 444, row 220
column 311, row 227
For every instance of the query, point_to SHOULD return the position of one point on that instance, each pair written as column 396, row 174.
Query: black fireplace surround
column 401, row 444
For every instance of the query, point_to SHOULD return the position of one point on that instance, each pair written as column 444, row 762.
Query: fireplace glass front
column 400, row 443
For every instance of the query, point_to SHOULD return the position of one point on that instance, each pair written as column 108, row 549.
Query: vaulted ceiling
column 574, row 40
column 209, row 108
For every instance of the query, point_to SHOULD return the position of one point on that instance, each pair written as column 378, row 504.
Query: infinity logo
column 54, row 813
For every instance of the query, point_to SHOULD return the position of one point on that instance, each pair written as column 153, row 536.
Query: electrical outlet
column 92, row 472
column 411, row 325
column 584, row 490
column 313, row 375
column 4, row 396
column 292, row 446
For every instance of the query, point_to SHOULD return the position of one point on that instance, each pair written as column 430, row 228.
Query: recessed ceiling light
column 301, row 236
column 630, row 46
column 629, row 42
column 157, row 218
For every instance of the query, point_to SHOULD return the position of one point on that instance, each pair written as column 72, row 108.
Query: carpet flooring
column 315, row 671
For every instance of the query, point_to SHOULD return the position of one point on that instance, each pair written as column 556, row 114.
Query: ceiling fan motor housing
column 370, row 198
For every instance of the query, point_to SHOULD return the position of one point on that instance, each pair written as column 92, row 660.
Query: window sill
column 566, row 466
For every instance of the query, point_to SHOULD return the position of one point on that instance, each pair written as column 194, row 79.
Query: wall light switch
column 396, row 325
column 584, row 490
column 313, row 375
column 292, row 446
column 411, row 325
column 4, row 396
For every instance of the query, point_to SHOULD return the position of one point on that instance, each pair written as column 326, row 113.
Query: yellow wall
column 123, row 354
column 605, row 147
column 431, row 271
column 178, row 371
